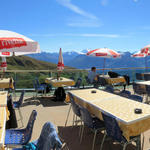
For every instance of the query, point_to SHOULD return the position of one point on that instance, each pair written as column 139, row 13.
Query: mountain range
column 81, row 61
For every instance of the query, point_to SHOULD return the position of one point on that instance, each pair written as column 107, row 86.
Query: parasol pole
column 104, row 65
column 58, row 74
column 146, row 63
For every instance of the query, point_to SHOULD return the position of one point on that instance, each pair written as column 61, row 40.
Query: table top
column 5, row 80
column 3, row 98
column 2, row 125
column 144, row 82
column 119, row 79
column 61, row 82
column 6, row 83
column 120, row 107
column 145, row 73
column 61, row 79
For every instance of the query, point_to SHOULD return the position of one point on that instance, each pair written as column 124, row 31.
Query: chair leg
column 73, row 120
column 76, row 120
column 21, row 117
column 124, row 146
column 95, row 133
column 14, row 93
column 36, row 94
column 103, row 140
column 68, row 115
column 82, row 130
column 138, row 143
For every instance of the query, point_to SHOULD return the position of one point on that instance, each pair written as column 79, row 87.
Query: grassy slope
column 28, row 63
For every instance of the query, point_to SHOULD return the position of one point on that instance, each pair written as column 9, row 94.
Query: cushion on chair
column 15, row 137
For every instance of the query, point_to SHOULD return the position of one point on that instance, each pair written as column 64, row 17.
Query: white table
column 120, row 107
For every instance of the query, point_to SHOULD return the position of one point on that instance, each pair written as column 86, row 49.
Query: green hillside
column 28, row 63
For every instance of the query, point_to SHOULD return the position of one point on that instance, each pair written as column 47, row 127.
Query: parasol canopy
column 14, row 42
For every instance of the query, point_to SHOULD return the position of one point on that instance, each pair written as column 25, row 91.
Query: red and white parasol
column 14, row 42
column 3, row 64
column 103, row 52
column 60, row 65
column 143, row 53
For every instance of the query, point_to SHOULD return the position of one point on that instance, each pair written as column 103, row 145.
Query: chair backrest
column 20, row 101
column 29, row 128
column 86, row 117
column 139, row 89
column 87, row 80
column 75, row 107
column 112, row 128
column 78, row 83
column 48, row 138
column 146, row 77
column 34, row 84
column 113, row 74
column 136, row 98
column 125, row 93
column 102, row 81
column 14, row 84
column 37, row 82
column 139, row 76
column 72, row 78
column 148, row 89
column 109, row 89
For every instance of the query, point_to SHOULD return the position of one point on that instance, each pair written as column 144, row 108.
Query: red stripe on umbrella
column 92, row 51
column 101, row 54
column 3, row 64
column 60, row 65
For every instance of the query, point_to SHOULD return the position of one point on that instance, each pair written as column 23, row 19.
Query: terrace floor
column 56, row 112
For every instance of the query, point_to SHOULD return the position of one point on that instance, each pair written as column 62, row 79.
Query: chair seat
column 136, row 98
column 125, row 93
column 15, row 137
column 16, row 104
column 41, row 88
column 97, row 123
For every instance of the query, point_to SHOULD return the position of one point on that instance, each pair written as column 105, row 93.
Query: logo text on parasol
column 3, row 64
column 7, row 43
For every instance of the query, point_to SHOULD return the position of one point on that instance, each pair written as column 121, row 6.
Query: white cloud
column 93, row 35
column 76, row 9
column 82, row 22
column 104, row 2
column 101, row 35
column 78, row 35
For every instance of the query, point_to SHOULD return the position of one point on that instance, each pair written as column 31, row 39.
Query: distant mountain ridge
column 78, row 60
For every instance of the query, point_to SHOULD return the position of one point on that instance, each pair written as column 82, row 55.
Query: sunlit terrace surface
column 56, row 112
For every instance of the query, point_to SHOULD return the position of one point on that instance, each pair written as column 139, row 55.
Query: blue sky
column 122, row 25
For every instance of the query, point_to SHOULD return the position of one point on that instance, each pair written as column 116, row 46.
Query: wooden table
column 120, row 107
column 4, row 116
column 60, row 83
column 6, row 83
column 112, row 81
